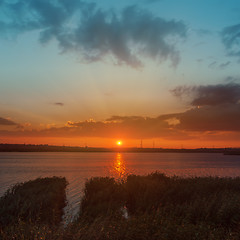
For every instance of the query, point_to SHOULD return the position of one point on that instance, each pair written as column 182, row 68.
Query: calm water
column 77, row 167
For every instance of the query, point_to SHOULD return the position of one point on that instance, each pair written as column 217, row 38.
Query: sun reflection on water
column 119, row 166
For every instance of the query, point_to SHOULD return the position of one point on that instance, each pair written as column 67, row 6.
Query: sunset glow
column 175, row 83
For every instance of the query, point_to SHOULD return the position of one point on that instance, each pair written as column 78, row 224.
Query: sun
column 119, row 143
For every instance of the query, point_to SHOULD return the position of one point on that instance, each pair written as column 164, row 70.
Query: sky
column 161, row 72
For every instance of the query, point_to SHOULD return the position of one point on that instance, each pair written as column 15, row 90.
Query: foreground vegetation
column 37, row 203
column 147, row 207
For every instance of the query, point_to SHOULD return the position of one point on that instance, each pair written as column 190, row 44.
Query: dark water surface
column 77, row 167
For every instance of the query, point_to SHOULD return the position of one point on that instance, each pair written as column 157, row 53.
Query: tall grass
column 103, row 196
column 38, row 201
column 159, row 207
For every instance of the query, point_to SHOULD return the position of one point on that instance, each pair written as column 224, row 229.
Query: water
column 77, row 167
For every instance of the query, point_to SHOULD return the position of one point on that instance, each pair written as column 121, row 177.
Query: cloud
column 191, row 124
column 127, row 127
column 231, row 39
column 231, row 79
column 60, row 104
column 215, row 108
column 224, row 65
column 134, row 34
column 4, row 121
column 120, row 126
column 128, row 36
column 212, row 64
column 221, row 66
column 47, row 16
column 210, row 95
column 210, row 118
column 177, row 126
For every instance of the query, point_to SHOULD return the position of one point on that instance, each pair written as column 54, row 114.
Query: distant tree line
column 51, row 148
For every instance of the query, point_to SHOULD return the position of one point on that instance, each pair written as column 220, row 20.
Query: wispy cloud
column 221, row 66
column 231, row 39
column 224, row 65
column 212, row 64
column 128, row 36
column 4, row 121
column 60, row 104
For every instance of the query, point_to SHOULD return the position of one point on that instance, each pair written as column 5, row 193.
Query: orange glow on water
column 119, row 166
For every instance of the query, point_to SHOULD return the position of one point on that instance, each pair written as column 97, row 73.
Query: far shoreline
column 5, row 147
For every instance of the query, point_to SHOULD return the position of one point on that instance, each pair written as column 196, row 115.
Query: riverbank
column 144, row 207
column 51, row 148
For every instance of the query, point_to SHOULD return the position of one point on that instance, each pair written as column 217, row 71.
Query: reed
column 38, row 201
column 159, row 207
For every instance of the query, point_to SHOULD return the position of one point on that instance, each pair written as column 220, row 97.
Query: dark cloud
column 210, row 118
column 210, row 95
column 231, row 39
column 59, row 104
column 128, row 37
column 216, row 108
column 4, row 121
column 79, row 26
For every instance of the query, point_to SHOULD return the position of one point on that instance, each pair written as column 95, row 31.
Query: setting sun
column 119, row 143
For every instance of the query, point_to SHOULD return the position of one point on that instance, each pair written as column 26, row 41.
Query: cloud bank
column 127, row 36
column 210, row 95
column 216, row 107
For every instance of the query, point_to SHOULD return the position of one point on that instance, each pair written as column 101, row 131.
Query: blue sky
column 78, row 60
